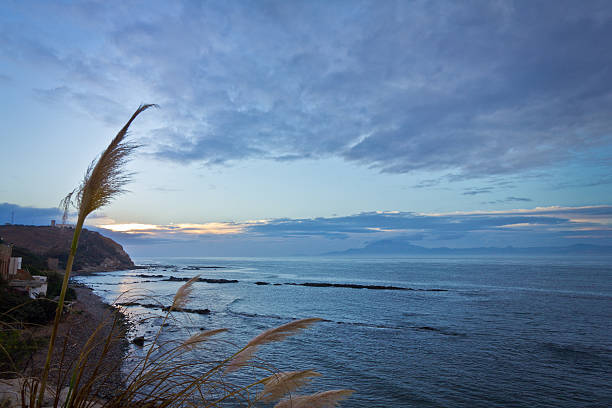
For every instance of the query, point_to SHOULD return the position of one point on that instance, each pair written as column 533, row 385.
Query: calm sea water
column 519, row 332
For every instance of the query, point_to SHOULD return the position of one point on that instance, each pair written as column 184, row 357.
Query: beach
column 88, row 314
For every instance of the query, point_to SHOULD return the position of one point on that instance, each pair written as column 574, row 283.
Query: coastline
column 88, row 314
column 102, row 269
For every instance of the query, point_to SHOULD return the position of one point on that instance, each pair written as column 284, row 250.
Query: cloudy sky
column 305, row 126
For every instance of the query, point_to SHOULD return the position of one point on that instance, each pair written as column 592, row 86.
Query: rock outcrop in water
column 166, row 308
column 96, row 252
column 207, row 280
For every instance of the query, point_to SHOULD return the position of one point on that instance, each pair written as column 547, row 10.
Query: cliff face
column 96, row 252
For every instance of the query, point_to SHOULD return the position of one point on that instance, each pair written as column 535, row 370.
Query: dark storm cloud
column 472, row 88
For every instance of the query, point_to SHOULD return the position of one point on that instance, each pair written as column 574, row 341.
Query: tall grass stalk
column 104, row 180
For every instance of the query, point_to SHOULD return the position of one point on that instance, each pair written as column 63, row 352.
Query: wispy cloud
column 474, row 90
column 540, row 226
column 475, row 191
column 211, row 228
column 510, row 199
column 552, row 222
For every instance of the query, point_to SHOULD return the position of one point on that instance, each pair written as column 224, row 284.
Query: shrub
column 17, row 308
column 16, row 346
column 54, row 286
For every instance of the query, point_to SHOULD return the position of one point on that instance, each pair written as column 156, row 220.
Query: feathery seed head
column 276, row 334
column 280, row 384
column 182, row 294
column 281, row 332
column 192, row 342
column 106, row 176
column 326, row 399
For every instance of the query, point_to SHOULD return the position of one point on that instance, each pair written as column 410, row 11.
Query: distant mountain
column 95, row 253
column 399, row 247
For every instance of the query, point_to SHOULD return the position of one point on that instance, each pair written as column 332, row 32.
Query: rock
column 262, row 283
column 199, row 268
column 165, row 308
column 175, row 279
column 347, row 285
column 187, row 310
column 139, row 341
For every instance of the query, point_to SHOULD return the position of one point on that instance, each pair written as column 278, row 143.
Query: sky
column 302, row 127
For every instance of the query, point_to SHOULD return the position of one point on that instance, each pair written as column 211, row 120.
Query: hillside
column 96, row 252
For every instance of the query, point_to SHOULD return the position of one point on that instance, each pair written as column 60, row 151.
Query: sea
column 401, row 332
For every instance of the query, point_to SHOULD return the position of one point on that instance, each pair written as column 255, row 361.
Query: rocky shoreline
column 88, row 314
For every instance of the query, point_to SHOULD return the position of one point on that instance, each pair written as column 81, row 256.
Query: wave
column 438, row 330
column 233, row 302
column 578, row 351
column 340, row 322
column 265, row 316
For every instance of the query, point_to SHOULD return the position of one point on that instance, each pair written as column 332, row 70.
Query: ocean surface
column 471, row 332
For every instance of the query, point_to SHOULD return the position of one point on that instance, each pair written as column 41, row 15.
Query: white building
column 14, row 265
column 36, row 287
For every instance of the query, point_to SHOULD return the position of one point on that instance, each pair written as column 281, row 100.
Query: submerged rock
column 355, row 286
column 187, row 310
column 165, row 308
column 174, row 279
column 139, row 341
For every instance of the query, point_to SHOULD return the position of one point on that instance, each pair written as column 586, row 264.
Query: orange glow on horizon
column 214, row 228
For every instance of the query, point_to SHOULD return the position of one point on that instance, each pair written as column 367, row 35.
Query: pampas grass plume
column 276, row 334
column 278, row 385
column 326, row 399
column 105, row 177
column 182, row 295
column 281, row 332
column 192, row 342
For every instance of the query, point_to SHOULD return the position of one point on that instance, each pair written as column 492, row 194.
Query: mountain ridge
column 394, row 247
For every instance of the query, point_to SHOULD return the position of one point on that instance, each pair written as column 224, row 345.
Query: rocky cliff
column 96, row 252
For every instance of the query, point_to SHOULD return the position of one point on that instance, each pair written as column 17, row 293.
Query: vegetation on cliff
column 96, row 252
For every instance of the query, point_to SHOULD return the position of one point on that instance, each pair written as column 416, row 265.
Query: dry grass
column 184, row 373
column 277, row 334
column 168, row 375
column 317, row 400
column 278, row 385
